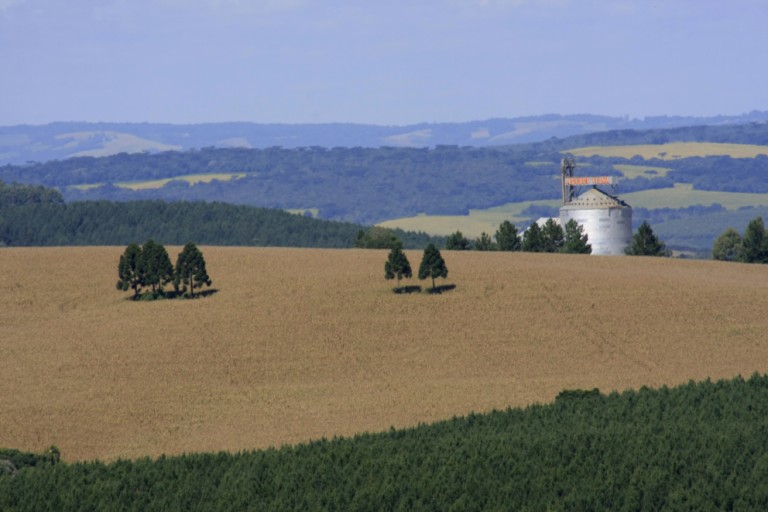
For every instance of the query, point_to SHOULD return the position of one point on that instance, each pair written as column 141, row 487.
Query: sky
column 386, row 62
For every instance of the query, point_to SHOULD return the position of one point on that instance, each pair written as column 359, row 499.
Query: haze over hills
column 61, row 140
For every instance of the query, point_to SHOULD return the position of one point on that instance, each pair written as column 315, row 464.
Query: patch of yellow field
column 472, row 225
column 189, row 178
column 673, row 150
column 299, row 344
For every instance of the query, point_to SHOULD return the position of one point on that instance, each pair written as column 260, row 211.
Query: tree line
column 547, row 237
column 696, row 446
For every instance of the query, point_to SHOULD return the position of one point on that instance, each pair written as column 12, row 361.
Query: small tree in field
column 158, row 269
column 432, row 265
column 397, row 265
column 130, row 270
column 190, row 270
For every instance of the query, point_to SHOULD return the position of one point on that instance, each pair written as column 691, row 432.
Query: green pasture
column 641, row 171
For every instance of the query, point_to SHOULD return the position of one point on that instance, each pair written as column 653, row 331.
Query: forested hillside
column 37, row 216
column 372, row 185
column 700, row 446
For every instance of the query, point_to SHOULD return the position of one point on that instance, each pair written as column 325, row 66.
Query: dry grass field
column 298, row 344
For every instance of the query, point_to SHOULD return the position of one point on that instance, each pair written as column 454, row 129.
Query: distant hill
column 24, row 143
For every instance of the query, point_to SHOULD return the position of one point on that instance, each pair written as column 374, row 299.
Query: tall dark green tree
column 457, row 242
column 158, row 269
column 533, row 239
column 646, row 243
column 754, row 244
column 397, row 265
column 727, row 247
column 130, row 270
column 553, row 236
column 432, row 265
column 507, row 238
column 576, row 241
column 485, row 243
column 190, row 270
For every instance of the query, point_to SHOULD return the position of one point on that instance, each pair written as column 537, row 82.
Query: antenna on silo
column 567, row 167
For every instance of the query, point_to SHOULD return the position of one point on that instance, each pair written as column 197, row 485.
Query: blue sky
column 381, row 62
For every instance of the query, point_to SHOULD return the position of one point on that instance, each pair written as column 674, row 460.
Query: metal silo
column 606, row 219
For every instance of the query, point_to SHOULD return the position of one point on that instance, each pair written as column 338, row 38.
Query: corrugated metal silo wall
column 609, row 229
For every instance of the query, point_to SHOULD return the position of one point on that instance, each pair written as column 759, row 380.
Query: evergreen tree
column 457, row 242
column 645, row 243
column 754, row 245
column 130, row 270
column 507, row 238
column 727, row 247
column 553, row 236
column 158, row 269
column 397, row 265
column 533, row 239
column 432, row 265
column 190, row 270
column 485, row 243
column 575, row 239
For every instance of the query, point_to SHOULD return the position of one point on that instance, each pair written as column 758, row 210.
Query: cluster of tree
column 385, row 238
column 113, row 223
column 698, row 446
column 432, row 265
column 16, row 194
column 646, row 243
column 149, row 266
column 551, row 237
column 750, row 248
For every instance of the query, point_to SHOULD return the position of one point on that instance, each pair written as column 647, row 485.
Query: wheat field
column 300, row 344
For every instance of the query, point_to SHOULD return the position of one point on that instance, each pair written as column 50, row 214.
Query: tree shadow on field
column 170, row 294
column 407, row 289
column 441, row 289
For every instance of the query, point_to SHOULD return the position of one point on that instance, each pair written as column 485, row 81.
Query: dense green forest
column 700, row 446
column 36, row 216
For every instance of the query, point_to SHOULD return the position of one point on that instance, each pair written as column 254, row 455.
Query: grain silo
column 606, row 219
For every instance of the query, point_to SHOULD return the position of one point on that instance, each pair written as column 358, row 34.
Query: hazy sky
column 378, row 61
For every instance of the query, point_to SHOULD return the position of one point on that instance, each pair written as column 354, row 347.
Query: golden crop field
column 299, row 344
column 674, row 150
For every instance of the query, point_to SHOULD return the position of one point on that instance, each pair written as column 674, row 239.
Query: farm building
column 606, row 219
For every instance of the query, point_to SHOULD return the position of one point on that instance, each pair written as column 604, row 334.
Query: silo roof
column 594, row 199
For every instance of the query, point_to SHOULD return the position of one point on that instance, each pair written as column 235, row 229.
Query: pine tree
column 432, row 265
column 533, row 239
column 553, row 236
column 575, row 239
column 754, row 244
column 485, row 243
column 457, row 242
column 645, row 243
column 190, row 270
column 507, row 238
column 158, row 269
column 130, row 270
column 397, row 265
